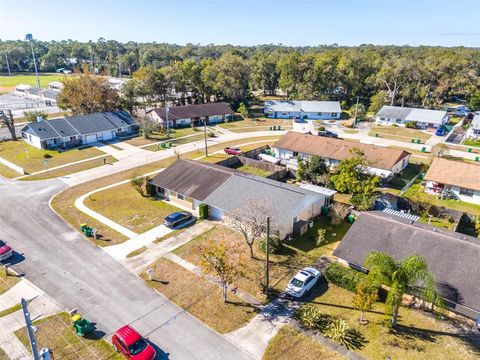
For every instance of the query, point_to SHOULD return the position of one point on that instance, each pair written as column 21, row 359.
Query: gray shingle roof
column 285, row 200
column 412, row 114
column 194, row 111
column 80, row 124
column 302, row 105
column 192, row 178
column 452, row 257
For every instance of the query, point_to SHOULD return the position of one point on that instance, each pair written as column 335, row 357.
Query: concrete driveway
column 78, row 274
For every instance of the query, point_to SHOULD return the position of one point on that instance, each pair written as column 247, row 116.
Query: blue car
column 178, row 220
column 440, row 132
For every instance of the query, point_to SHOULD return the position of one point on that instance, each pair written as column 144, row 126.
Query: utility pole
column 8, row 65
column 166, row 117
column 29, row 38
column 356, row 112
column 205, row 133
column 91, row 60
column 267, row 258
column 30, row 330
column 119, row 65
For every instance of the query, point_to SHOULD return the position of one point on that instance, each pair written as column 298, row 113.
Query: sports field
column 8, row 83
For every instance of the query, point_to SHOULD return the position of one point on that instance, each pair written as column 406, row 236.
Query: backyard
column 124, row 205
column 418, row 336
column 399, row 133
column 54, row 332
column 203, row 298
column 32, row 159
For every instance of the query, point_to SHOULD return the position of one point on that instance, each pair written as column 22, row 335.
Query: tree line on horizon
column 418, row 76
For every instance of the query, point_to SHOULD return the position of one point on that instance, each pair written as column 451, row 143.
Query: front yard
column 32, row 159
column 291, row 344
column 399, row 133
column 157, row 136
column 419, row 336
column 200, row 297
column 6, row 282
column 260, row 124
column 55, row 332
column 127, row 207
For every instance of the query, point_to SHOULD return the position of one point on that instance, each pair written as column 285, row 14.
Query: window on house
column 466, row 192
column 398, row 121
column 319, row 114
column 72, row 138
column 295, row 153
column 382, row 119
column 180, row 197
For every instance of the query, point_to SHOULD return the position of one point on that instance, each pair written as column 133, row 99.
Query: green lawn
column 419, row 336
column 416, row 193
column 256, row 124
column 157, row 136
column 177, row 142
column 73, row 168
column 55, row 332
column 6, row 282
column 32, row 159
column 307, row 243
column 10, row 310
column 45, row 79
column 470, row 142
column 214, row 158
column 399, row 133
column 127, row 207
column 255, row 171
column 291, row 344
column 200, row 297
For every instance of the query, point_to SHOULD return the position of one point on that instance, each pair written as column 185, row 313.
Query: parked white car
column 302, row 282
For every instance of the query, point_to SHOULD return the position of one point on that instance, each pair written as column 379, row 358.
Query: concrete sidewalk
column 120, row 251
column 23, row 289
column 138, row 263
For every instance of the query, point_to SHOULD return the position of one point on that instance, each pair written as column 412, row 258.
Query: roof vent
column 39, row 118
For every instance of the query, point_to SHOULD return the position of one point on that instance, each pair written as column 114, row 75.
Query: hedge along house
column 385, row 162
column 191, row 115
column 302, row 109
column 451, row 257
column 453, row 179
column 78, row 130
column 400, row 116
column 226, row 191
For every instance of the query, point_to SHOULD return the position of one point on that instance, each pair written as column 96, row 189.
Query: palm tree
column 399, row 276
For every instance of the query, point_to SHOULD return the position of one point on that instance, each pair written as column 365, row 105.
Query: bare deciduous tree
column 338, row 212
column 9, row 121
column 251, row 221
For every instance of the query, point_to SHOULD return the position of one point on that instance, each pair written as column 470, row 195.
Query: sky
column 247, row 22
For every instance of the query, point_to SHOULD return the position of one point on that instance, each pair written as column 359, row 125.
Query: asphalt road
column 78, row 274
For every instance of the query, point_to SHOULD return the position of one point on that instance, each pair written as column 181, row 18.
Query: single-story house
column 55, row 85
column 384, row 161
column 473, row 132
column 22, row 89
column 454, row 179
column 424, row 118
column 302, row 109
column 227, row 191
column 191, row 115
column 78, row 130
column 451, row 257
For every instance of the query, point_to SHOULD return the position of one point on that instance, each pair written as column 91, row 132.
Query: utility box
column 300, row 227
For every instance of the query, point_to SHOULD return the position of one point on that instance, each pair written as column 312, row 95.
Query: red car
column 232, row 151
column 133, row 345
column 5, row 251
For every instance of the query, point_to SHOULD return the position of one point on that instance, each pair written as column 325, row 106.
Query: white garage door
column 90, row 138
column 215, row 213
column 107, row 135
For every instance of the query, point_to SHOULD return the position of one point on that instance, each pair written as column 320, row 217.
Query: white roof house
column 389, row 115
column 291, row 109
column 474, row 129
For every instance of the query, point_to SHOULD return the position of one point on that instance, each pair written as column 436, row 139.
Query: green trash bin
column 424, row 149
column 376, row 134
column 476, row 158
column 470, row 150
column 88, row 232
column 279, row 127
column 163, row 145
column 351, row 218
column 417, row 141
column 325, row 210
column 271, row 128
column 169, row 144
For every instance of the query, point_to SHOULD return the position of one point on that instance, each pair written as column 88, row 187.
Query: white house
column 191, row 115
column 473, row 131
column 423, row 118
column 78, row 130
column 302, row 109
column 384, row 161
column 227, row 191
column 454, row 179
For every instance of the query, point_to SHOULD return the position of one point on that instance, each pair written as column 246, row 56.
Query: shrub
column 344, row 277
column 275, row 245
column 321, row 128
column 342, row 333
column 47, row 156
column 311, row 317
column 150, row 188
column 411, row 124
column 203, row 211
column 211, row 134
column 321, row 236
